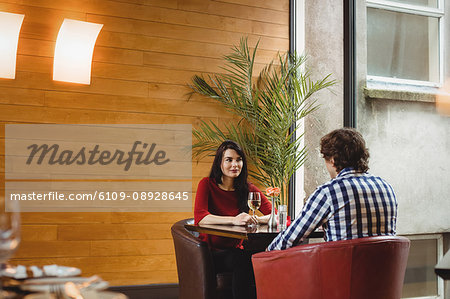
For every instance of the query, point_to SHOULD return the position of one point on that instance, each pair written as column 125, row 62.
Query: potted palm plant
column 268, row 109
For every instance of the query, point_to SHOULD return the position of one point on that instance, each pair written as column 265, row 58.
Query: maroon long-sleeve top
column 210, row 199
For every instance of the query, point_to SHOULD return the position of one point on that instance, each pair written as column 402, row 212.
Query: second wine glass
column 9, row 230
column 9, row 237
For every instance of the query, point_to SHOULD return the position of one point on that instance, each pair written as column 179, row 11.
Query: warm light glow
column 10, row 24
column 443, row 99
column 73, row 51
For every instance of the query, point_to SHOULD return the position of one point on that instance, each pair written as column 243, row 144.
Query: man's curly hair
column 348, row 149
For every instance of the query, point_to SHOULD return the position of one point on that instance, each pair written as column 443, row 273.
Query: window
column 405, row 41
column 420, row 279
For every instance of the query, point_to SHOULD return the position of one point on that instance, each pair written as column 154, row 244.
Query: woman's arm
column 201, row 208
column 241, row 219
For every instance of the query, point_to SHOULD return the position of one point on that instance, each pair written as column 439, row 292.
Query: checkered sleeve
column 317, row 209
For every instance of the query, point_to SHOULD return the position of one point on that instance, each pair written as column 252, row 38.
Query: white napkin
column 37, row 272
column 20, row 271
column 51, row 270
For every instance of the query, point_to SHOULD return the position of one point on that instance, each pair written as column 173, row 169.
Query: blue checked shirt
column 353, row 205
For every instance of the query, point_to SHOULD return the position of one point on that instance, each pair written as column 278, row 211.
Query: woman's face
column 232, row 163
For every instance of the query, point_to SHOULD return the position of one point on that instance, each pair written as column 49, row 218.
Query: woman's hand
column 263, row 219
column 244, row 219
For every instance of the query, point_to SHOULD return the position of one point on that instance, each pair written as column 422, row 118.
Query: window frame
column 438, row 13
column 440, row 253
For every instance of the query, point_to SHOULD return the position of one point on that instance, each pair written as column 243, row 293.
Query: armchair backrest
column 195, row 267
column 369, row 268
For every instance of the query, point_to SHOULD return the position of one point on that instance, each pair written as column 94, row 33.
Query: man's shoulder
column 324, row 188
column 343, row 176
column 370, row 177
column 363, row 180
column 349, row 177
column 350, row 173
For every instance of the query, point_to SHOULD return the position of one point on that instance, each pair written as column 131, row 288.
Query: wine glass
column 9, row 234
column 254, row 202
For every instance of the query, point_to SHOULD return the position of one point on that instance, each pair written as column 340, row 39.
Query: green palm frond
column 268, row 110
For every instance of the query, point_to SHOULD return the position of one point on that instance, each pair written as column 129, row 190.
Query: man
column 354, row 204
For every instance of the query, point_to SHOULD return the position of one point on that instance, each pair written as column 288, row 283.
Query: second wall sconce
column 73, row 51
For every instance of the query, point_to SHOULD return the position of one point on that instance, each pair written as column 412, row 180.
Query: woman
column 222, row 199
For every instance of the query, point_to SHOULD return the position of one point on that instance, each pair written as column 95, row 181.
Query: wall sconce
column 73, row 51
column 10, row 24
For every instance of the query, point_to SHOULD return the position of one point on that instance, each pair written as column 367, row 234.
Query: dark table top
column 443, row 267
column 257, row 238
column 232, row 231
column 240, row 232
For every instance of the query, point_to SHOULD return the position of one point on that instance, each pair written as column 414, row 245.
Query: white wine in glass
column 254, row 201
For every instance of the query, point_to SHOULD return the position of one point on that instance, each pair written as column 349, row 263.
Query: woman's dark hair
column 240, row 183
column 348, row 149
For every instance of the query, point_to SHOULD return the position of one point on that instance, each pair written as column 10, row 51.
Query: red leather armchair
column 366, row 268
column 196, row 274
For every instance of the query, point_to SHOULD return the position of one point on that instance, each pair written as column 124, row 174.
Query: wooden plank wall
column 145, row 54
